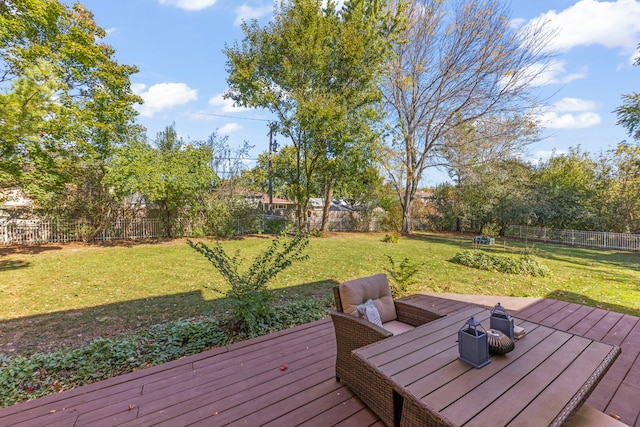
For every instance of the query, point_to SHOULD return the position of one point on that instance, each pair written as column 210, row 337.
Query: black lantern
column 501, row 320
column 473, row 345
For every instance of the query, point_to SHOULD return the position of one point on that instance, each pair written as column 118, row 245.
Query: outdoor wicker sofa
column 353, row 332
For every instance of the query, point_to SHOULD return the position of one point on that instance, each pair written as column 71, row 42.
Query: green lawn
column 55, row 295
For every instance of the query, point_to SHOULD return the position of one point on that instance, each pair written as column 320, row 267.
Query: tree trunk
column 407, row 202
column 328, row 196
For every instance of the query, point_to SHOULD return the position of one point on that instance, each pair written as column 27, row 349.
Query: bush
column 250, row 298
column 290, row 315
column 401, row 275
column 275, row 226
column 526, row 264
column 171, row 341
column 491, row 230
column 391, row 238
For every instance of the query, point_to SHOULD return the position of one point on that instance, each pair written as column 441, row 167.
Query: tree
column 495, row 194
column 617, row 199
column 219, row 211
column 65, row 101
column 284, row 172
column 459, row 68
column 565, row 190
column 171, row 174
column 629, row 112
column 316, row 69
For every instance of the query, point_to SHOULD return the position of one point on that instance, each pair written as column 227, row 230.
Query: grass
column 64, row 295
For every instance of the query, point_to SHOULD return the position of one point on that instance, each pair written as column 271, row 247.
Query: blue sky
column 177, row 46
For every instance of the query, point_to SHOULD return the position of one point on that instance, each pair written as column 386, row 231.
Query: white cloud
column 554, row 120
column 225, row 105
column 189, row 4
column 163, row 96
column 612, row 24
column 574, row 104
column 553, row 73
column 247, row 13
column 570, row 113
column 229, row 128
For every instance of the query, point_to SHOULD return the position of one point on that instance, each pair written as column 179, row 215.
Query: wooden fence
column 596, row 239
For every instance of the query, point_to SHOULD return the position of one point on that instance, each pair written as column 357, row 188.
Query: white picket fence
column 30, row 231
column 22, row 231
column 597, row 239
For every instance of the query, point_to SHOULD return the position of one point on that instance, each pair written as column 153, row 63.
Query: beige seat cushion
column 396, row 327
column 588, row 416
column 357, row 291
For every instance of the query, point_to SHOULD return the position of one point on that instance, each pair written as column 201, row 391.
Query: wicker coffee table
column 416, row 379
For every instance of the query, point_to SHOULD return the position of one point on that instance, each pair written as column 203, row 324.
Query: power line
column 233, row 117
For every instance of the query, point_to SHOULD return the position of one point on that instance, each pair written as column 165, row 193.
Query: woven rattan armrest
column 352, row 333
column 357, row 332
column 414, row 315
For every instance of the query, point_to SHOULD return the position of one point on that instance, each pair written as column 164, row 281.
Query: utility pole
column 273, row 147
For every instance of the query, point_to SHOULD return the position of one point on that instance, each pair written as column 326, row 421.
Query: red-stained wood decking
column 243, row 384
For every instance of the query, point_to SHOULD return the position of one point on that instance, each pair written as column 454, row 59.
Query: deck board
column 242, row 384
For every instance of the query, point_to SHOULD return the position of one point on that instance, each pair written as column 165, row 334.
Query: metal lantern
column 501, row 320
column 473, row 345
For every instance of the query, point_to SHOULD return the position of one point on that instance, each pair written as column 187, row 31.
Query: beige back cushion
column 376, row 288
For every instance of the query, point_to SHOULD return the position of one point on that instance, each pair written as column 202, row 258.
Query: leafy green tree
column 496, row 193
column 629, row 112
column 617, row 194
column 66, row 102
column 220, row 211
column 171, row 174
column 460, row 65
column 316, row 69
column 284, row 172
column 565, row 190
column 627, row 194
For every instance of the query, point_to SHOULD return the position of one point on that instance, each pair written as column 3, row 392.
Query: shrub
column 250, row 298
column 491, row 229
column 391, row 238
column 526, row 264
column 317, row 233
column 275, row 226
column 165, row 342
column 25, row 378
column 401, row 275
column 290, row 315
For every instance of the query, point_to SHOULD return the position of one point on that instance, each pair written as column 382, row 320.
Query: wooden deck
column 246, row 383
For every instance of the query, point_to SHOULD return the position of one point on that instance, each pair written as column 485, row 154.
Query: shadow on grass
column 585, row 300
column 72, row 328
column 589, row 257
column 27, row 249
column 8, row 265
column 463, row 241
